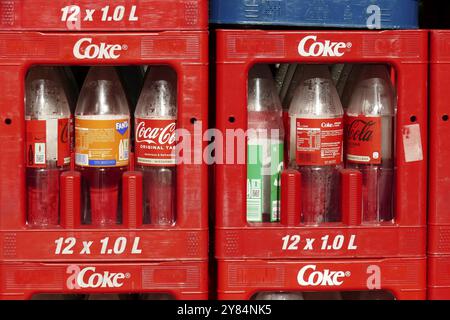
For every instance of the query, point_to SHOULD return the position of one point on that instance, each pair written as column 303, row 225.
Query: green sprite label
column 264, row 166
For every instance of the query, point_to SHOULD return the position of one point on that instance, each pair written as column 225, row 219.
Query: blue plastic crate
column 372, row 14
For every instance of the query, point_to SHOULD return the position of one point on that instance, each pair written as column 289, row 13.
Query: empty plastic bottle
column 278, row 296
column 102, row 136
column 370, row 140
column 265, row 154
column 72, row 92
column 47, row 144
column 316, row 144
column 155, row 138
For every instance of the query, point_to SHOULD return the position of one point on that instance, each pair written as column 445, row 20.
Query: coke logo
column 310, row 47
column 360, row 130
column 64, row 137
column 309, row 277
column 335, row 124
column 89, row 278
column 156, row 135
column 85, row 49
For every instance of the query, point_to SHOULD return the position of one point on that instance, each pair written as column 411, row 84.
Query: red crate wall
column 242, row 279
column 439, row 277
column 407, row 52
column 92, row 15
column 183, row 280
column 439, row 171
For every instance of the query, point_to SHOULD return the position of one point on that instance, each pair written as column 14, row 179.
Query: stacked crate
column 346, row 256
column 439, row 187
column 130, row 258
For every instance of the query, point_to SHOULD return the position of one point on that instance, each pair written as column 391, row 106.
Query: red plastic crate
column 102, row 15
column 183, row 280
column 407, row 52
column 187, row 53
column 439, row 172
column 405, row 278
column 439, row 277
column 439, row 185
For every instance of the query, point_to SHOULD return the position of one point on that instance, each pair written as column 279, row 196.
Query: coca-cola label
column 46, row 141
column 287, row 137
column 363, row 139
column 155, row 142
column 319, row 141
column 64, row 142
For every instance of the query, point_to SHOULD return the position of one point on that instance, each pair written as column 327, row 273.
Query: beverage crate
column 407, row 53
column 439, row 186
column 186, row 52
column 438, row 277
column 405, row 278
column 185, row 280
column 101, row 15
column 439, row 215
column 379, row 14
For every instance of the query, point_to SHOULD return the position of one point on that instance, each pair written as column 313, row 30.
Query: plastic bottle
column 265, row 154
column 47, row 144
column 370, row 140
column 155, row 125
column 316, row 144
column 281, row 296
column 102, row 136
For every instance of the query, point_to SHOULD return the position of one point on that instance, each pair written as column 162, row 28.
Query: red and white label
column 155, row 142
column 363, row 139
column 319, row 141
column 47, row 140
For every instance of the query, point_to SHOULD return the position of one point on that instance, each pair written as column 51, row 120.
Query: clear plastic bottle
column 155, row 296
column 105, row 296
column 72, row 92
column 70, row 86
column 47, row 144
column 265, row 154
column 316, row 144
column 280, row 296
column 349, row 85
column 370, row 140
column 53, row 296
column 368, row 295
column 155, row 138
column 102, row 135
column 323, row 295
